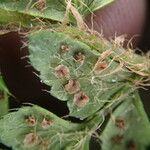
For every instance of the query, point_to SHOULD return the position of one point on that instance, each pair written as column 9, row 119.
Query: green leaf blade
column 4, row 98
column 36, row 128
column 127, row 127
column 55, row 54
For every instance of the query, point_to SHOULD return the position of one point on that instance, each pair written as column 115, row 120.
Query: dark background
column 145, row 47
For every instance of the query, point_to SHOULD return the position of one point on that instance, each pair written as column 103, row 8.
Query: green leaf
column 13, row 17
column 87, row 6
column 26, row 12
column 128, row 127
column 4, row 95
column 68, row 66
column 35, row 128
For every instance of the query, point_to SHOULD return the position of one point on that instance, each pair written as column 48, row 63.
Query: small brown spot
column 120, row 123
column 1, row 95
column 45, row 144
column 72, row 87
column 40, row 5
column 62, row 71
column 79, row 57
column 117, row 139
column 80, row 99
column 64, row 48
column 99, row 66
column 46, row 123
column 131, row 146
column 30, row 140
column 31, row 120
